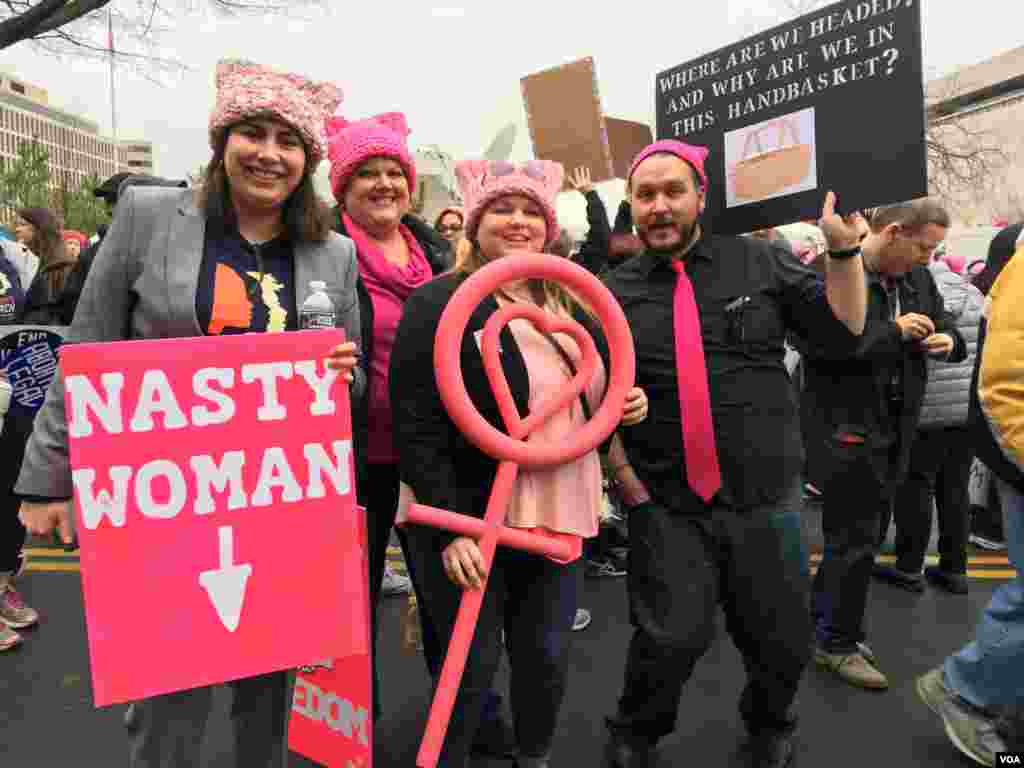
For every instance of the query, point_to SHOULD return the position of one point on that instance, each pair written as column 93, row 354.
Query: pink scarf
column 380, row 275
column 389, row 285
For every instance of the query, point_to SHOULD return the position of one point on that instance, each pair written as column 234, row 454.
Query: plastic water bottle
column 317, row 311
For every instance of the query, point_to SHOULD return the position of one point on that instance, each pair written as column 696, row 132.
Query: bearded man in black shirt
column 721, row 453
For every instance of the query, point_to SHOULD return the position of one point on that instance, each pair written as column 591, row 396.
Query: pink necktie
column 694, row 402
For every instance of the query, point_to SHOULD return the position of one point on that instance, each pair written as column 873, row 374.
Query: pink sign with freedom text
column 215, row 507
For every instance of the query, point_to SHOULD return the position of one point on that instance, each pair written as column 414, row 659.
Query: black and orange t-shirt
column 245, row 287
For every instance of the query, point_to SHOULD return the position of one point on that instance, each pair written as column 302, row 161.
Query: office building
column 75, row 146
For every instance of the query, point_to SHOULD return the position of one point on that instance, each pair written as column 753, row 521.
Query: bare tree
column 131, row 31
column 967, row 154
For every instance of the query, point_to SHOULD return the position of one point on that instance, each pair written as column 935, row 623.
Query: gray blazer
column 142, row 285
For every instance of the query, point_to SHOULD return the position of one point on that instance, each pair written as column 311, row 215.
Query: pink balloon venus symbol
column 511, row 450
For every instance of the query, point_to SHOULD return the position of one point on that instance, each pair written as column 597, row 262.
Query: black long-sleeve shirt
column 593, row 254
column 757, row 432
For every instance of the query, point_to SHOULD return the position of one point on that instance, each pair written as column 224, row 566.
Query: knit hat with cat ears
column 483, row 181
column 246, row 90
column 352, row 144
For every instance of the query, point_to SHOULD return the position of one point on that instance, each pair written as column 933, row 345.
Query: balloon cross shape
column 511, row 450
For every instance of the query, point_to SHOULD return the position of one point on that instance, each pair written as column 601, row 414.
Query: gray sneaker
column 13, row 611
column 973, row 733
column 582, row 620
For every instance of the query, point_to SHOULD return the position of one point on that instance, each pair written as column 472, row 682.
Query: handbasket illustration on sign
column 759, row 174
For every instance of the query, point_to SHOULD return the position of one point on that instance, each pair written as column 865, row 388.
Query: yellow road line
column 934, row 559
column 49, row 552
column 992, row 575
column 37, row 566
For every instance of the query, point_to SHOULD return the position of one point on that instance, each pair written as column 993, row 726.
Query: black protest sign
column 832, row 100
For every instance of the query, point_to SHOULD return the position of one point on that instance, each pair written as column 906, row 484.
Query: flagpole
column 113, row 103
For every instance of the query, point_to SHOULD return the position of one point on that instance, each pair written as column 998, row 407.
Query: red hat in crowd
column 74, row 234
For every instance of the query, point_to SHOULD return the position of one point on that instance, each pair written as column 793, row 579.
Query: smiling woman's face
column 511, row 223
column 378, row 195
column 264, row 161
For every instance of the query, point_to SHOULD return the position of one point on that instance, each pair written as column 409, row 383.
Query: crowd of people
column 839, row 360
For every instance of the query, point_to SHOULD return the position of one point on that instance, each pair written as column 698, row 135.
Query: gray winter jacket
column 947, row 394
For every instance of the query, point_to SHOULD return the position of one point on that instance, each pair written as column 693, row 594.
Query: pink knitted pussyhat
column 691, row 153
column 349, row 145
column 246, row 89
column 483, row 181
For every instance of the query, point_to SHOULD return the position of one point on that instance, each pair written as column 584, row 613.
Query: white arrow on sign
column 226, row 585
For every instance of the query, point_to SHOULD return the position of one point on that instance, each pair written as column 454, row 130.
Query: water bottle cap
column 317, row 285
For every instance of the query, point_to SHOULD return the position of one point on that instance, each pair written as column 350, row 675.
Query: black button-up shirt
column 749, row 293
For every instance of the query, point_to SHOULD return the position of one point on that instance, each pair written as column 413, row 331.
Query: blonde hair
column 469, row 258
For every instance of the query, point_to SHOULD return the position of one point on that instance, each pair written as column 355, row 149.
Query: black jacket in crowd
column 593, row 254
column 852, row 394
column 441, row 466
column 43, row 305
column 75, row 281
column 438, row 253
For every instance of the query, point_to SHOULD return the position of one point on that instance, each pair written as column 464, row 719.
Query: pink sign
column 331, row 721
column 329, row 725
column 215, row 506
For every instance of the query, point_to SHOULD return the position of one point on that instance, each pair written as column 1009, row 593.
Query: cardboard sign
column 626, row 138
column 563, row 111
column 29, row 355
column 214, row 489
column 832, row 100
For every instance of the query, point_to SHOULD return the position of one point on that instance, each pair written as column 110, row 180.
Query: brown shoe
column 853, row 668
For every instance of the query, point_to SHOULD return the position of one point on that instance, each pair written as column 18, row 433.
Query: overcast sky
column 454, row 68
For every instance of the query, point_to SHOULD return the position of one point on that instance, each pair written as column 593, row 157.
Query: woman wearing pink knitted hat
column 373, row 177
column 509, row 209
column 234, row 256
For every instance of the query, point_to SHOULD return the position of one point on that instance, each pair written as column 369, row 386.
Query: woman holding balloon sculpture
column 509, row 210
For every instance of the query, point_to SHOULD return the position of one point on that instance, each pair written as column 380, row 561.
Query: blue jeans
column 989, row 672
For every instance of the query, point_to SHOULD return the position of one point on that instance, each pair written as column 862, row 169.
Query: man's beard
column 685, row 231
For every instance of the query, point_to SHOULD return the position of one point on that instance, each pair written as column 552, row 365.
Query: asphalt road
column 47, row 718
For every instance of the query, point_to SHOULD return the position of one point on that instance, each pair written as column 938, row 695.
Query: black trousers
column 534, row 601
column 855, row 518
column 379, row 495
column 16, row 431
column 171, row 728
column 987, row 520
column 681, row 568
column 940, row 466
